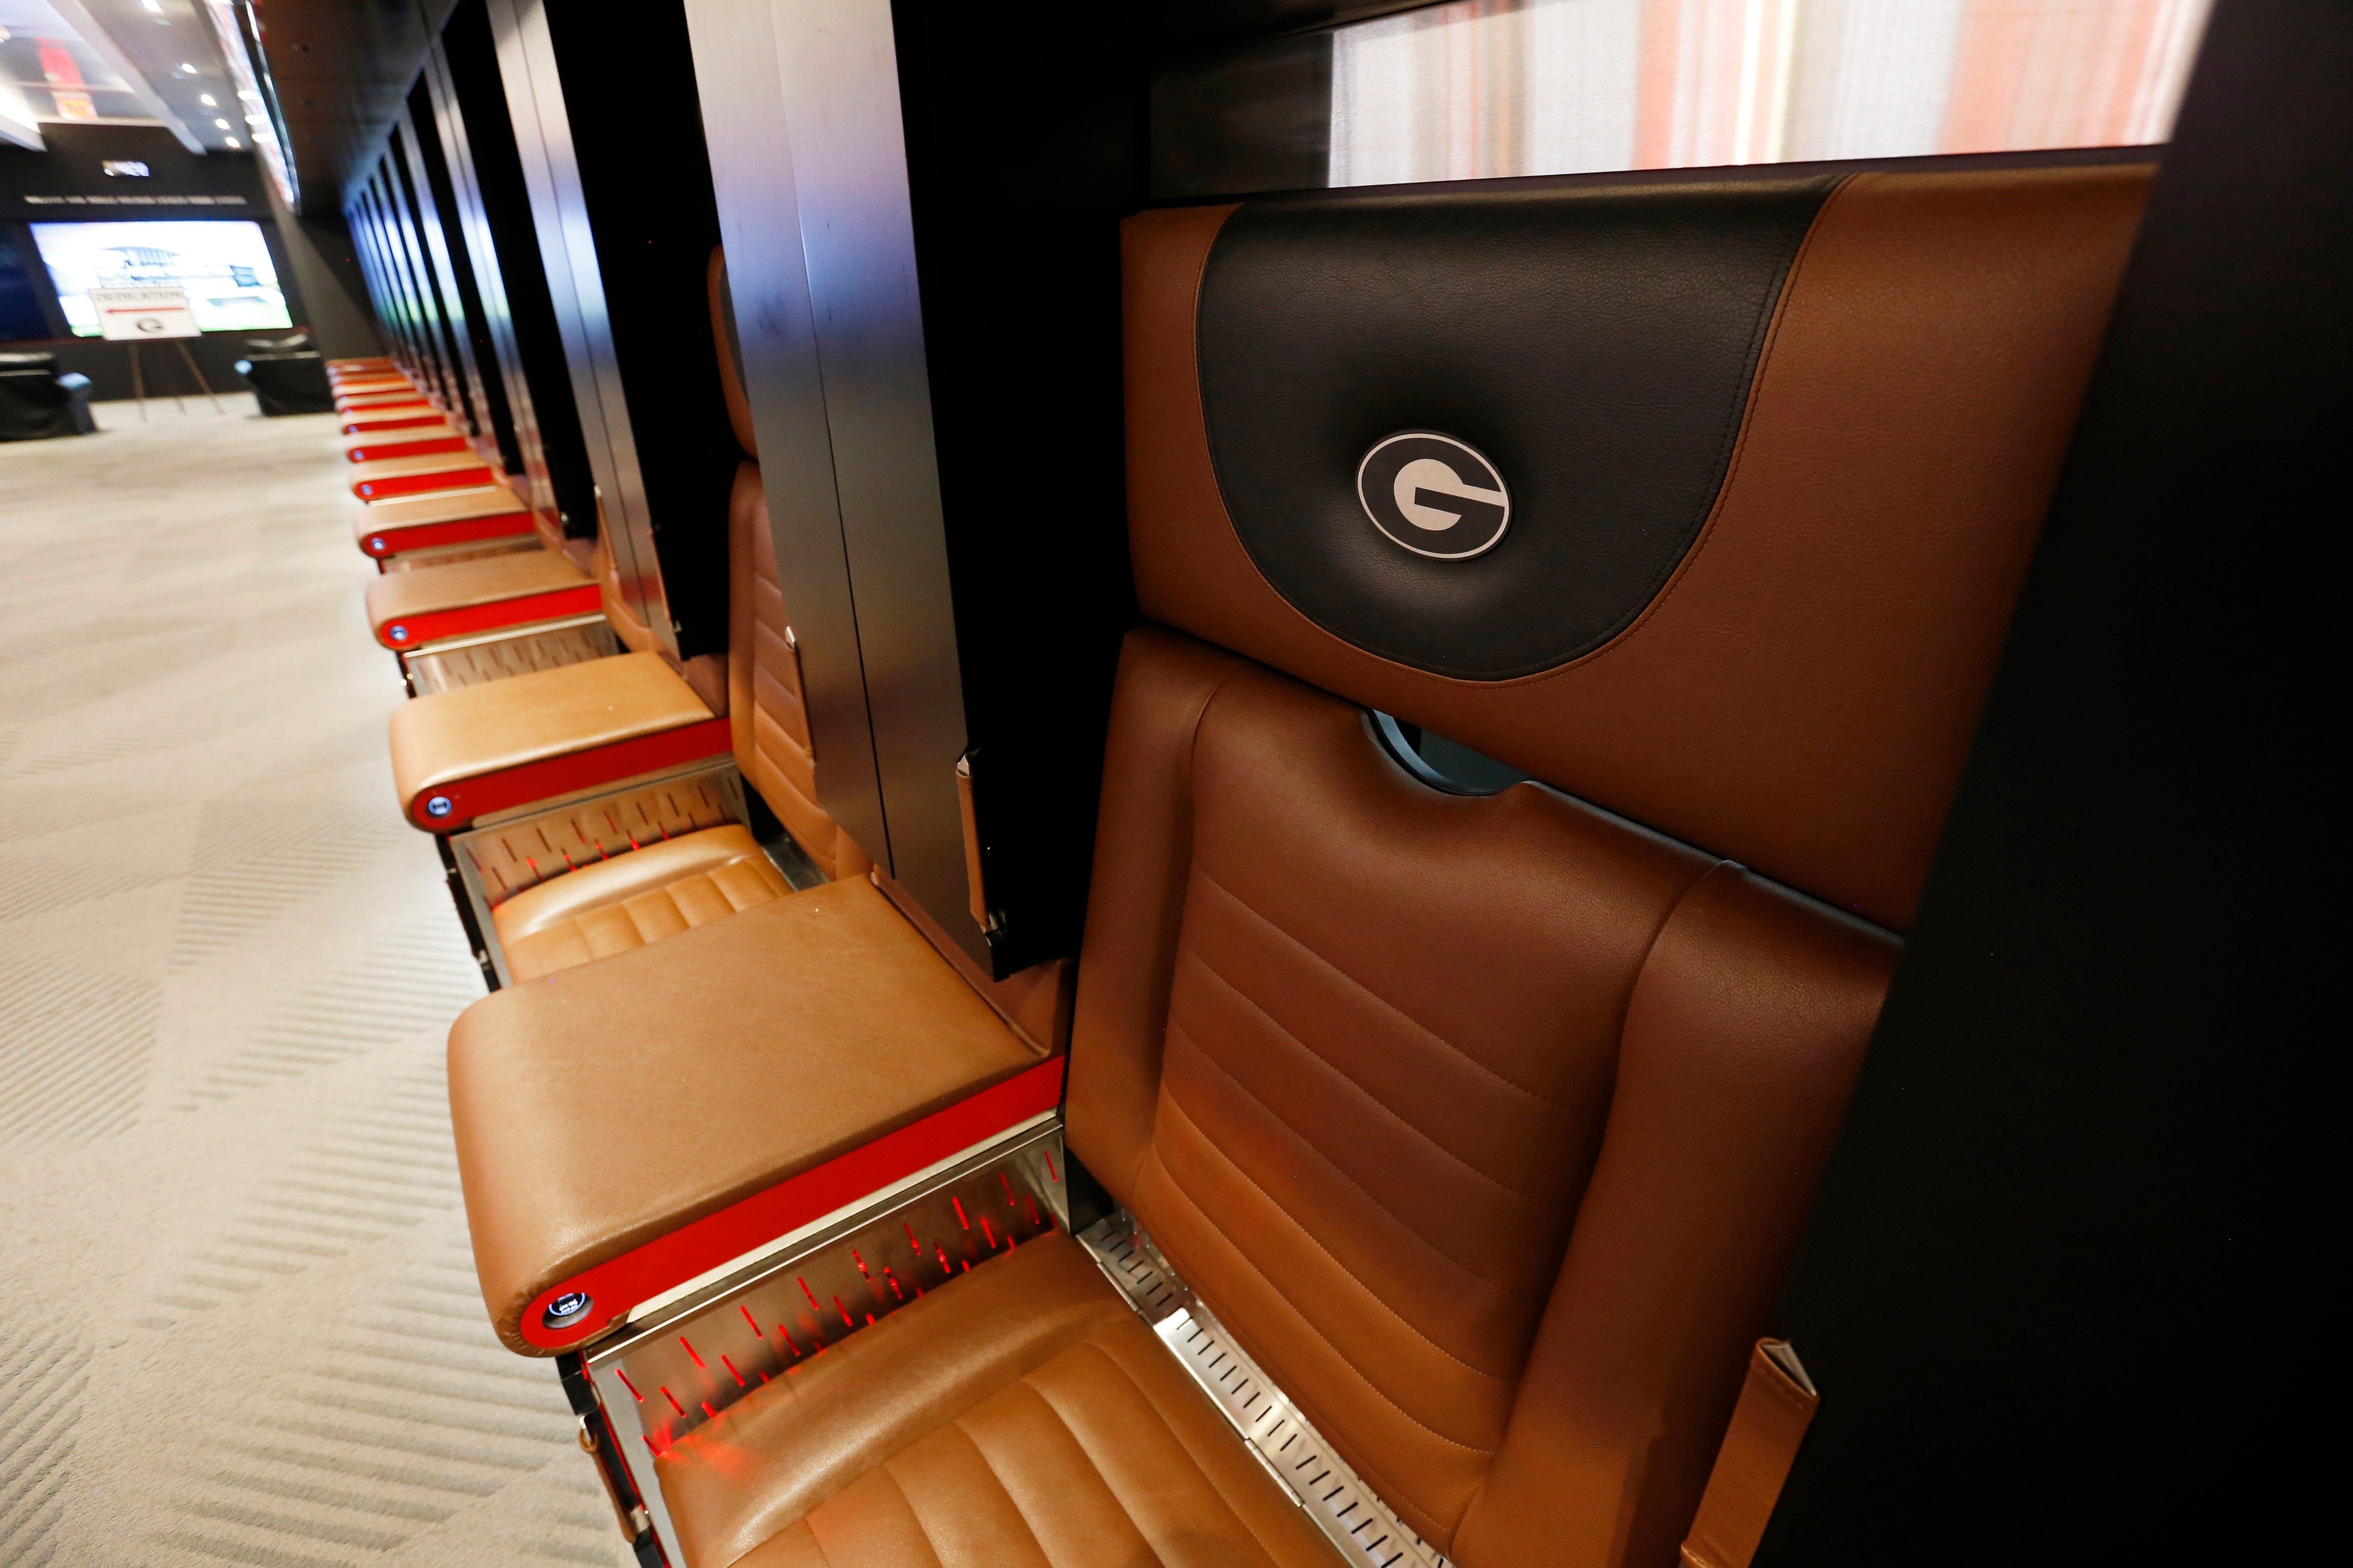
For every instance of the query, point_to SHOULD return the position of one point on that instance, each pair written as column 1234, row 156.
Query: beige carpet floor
column 238, row 1316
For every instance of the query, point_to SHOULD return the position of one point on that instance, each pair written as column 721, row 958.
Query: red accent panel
column 361, row 402
column 377, row 446
column 465, row 479
column 435, row 625
column 486, row 792
column 400, row 540
column 365, row 423
column 620, row 1283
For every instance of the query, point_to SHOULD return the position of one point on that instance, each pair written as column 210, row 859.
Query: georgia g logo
column 1433, row 495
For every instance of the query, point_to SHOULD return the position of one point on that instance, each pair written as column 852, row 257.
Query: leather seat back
column 763, row 685
column 1487, row 1124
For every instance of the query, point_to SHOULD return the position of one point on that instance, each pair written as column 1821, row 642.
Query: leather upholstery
column 445, row 736
column 1802, row 692
column 664, row 1083
column 1361, row 1056
column 731, row 354
column 1032, row 1419
column 763, row 679
column 627, row 624
column 513, row 575
column 1596, row 345
column 634, row 900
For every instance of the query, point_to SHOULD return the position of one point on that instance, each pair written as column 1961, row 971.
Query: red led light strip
column 365, row 423
column 668, row 1261
column 434, row 624
column 373, row 449
column 463, row 477
column 543, row 780
column 398, row 538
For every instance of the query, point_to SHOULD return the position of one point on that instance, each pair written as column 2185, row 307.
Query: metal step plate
column 1342, row 1505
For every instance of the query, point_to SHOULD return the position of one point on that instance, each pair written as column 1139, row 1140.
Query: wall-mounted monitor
column 222, row 263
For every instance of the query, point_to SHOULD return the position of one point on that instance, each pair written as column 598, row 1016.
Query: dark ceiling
column 343, row 67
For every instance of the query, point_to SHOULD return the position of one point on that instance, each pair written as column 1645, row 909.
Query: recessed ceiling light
column 232, row 140
column 222, row 124
column 208, row 101
column 185, row 69
column 153, row 7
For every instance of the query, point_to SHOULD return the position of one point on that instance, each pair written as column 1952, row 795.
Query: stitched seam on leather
column 1340, row 1073
column 1188, row 769
column 1371, row 1472
column 912, row 1513
column 1375, row 1296
column 1167, row 1426
column 1402, row 1222
column 1373, row 1099
column 1385, row 1004
column 999, row 1476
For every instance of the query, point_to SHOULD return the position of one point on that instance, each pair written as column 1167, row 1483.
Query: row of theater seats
column 589, row 787
column 1472, row 1128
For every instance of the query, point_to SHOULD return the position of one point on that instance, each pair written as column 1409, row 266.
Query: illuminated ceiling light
column 153, row 7
column 208, row 101
column 185, row 69
column 232, row 140
column 222, row 124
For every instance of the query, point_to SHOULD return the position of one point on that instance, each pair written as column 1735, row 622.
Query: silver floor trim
column 1349, row 1513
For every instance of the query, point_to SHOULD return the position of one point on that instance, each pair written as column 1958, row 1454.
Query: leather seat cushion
column 446, row 736
column 634, row 900
column 1021, row 1415
column 483, row 580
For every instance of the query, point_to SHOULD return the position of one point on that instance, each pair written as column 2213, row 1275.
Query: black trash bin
column 287, row 377
column 36, row 403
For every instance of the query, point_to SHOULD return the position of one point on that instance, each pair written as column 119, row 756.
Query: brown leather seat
column 635, row 898
column 1033, row 1418
column 1485, row 1123
column 625, row 901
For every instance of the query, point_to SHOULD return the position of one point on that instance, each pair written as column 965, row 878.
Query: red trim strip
column 376, row 446
column 472, row 476
column 401, row 538
column 432, row 626
column 365, row 423
column 359, row 402
column 620, row 1283
column 550, row 776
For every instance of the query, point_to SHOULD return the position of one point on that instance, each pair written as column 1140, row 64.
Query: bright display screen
column 223, row 264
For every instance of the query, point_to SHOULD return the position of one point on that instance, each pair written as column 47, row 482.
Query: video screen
column 222, row 263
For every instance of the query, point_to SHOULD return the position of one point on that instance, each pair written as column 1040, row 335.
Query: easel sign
column 135, row 315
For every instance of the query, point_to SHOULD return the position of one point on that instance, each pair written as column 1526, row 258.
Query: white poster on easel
column 134, row 315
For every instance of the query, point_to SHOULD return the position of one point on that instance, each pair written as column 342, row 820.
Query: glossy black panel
column 440, row 265
column 752, row 173
column 1016, row 198
column 646, row 200
column 454, row 265
column 1595, row 346
column 519, row 309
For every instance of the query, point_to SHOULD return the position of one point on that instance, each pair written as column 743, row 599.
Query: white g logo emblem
column 1433, row 495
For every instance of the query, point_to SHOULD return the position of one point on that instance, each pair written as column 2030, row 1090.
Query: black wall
column 2064, row 1293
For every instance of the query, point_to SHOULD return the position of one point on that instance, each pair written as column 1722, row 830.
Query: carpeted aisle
column 238, row 1317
